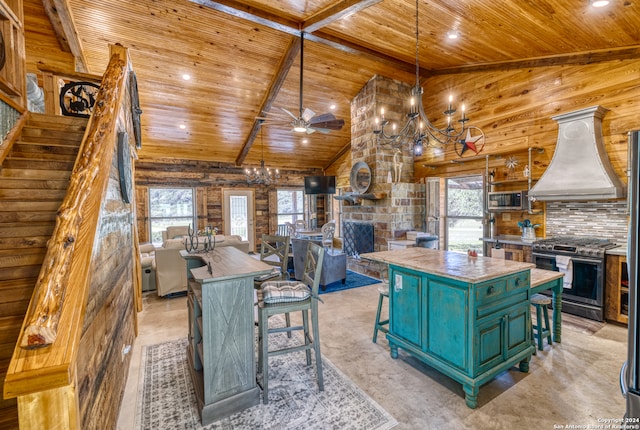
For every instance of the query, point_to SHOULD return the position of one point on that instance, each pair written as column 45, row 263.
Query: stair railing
column 42, row 372
column 17, row 117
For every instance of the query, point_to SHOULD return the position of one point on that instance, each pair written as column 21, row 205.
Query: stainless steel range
column 584, row 296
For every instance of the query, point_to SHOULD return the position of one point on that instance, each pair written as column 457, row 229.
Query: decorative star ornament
column 474, row 141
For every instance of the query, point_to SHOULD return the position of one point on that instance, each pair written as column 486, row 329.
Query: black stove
column 582, row 259
column 574, row 245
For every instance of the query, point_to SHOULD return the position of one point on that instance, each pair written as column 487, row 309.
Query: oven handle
column 579, row 259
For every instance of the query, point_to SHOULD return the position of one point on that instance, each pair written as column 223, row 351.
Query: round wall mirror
column 360, row 177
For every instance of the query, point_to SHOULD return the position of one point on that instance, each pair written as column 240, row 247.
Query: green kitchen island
column 467, row 317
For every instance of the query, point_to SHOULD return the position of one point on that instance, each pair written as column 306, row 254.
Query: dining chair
column 282, row 297
column 274, row 250
column 300, row 224
column 328, row 230
column 291, row 229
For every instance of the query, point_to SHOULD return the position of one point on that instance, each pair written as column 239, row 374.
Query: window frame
column 192, row 218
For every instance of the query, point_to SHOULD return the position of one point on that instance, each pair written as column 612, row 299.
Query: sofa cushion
column 284, row 292
column 177, row 231
column 173, row 244
column 146, row 248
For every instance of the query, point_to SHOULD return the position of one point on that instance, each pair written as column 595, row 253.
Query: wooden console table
column 221, row 349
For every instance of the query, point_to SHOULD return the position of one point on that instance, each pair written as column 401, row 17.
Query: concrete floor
column 572, row 383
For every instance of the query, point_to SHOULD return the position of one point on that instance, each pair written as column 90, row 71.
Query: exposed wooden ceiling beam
column 283, row 69
column 335, row 12
column 59, row 13
column 241, row 10
column 623, row 53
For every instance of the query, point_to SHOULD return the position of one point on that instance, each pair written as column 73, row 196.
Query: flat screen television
column 320, row 184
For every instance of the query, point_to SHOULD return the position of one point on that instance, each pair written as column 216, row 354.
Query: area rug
column 354, row 280
column 167, row 401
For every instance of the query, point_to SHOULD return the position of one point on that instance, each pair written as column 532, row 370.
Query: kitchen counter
column 508, row 239
column 453, row 265
column 621, row 249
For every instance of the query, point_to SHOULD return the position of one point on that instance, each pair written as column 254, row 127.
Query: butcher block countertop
column 541, row 276
column 449, row 264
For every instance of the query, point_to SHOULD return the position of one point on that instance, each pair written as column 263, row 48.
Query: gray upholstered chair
column 282, row 297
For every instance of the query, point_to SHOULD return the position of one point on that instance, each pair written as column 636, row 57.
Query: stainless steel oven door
column 588, row 277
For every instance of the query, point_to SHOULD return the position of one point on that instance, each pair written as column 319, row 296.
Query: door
column 239, row 214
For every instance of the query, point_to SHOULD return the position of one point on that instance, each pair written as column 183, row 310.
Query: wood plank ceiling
column 244, row 62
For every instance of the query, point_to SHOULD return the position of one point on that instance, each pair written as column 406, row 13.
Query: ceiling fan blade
column 290, row 114
column 321, row 130
column 335, row 124
column 307, row 114
column 322, row 118
column 310, row 130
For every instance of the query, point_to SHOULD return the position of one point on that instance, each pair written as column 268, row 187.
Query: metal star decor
column 474, row 142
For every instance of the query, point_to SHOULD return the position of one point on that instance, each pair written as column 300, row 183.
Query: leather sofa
column 171, row 268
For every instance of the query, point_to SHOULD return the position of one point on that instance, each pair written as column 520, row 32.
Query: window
column 464, row 213
column 170, row 207
column 290, row 205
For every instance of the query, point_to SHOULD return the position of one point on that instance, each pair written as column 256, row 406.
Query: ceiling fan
column 307, row 121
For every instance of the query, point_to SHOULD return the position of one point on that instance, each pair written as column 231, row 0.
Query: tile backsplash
column 601, row 219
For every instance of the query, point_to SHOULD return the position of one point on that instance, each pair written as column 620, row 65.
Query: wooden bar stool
column 541, row 329
column 381, row 325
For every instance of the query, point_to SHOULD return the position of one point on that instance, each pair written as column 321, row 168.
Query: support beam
column 59, row 13
column 278, row 80
column 338, row 11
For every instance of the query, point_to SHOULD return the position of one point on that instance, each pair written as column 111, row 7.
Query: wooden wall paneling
column 12, row 74
column 42, row 47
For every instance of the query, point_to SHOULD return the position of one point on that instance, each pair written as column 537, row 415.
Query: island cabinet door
column 407, row 304
column 500, row 335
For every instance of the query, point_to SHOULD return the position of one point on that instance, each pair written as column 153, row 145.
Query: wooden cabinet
column 470, row 332
column 515, row 252
column 617, row 289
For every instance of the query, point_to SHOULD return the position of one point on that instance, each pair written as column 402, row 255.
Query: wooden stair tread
column 63, row 136
column 33, row 195
column 31, row 206
column 29, row 184
column 34, row 174
column 35, row 164
column 56, row 121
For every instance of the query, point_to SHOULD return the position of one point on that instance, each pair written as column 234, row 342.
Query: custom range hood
column 580, row 168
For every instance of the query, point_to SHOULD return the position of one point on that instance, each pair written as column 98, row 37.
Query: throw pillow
column 284, row 292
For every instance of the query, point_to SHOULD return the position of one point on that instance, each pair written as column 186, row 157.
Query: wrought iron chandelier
column 261, row 175
column 418, row 129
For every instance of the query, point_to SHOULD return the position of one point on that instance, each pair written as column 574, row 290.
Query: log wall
column 209, row 181
column 110, row 321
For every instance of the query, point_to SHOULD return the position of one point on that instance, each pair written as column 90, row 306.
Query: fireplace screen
column 358, row 238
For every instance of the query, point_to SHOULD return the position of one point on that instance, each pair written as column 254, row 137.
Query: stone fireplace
column 399, row 205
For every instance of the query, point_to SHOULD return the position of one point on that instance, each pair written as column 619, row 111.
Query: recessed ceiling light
column 332, row 107
column 186, row 77
column 453, row 34
column 182, row 126
column 305, row 141
column 599, row 3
